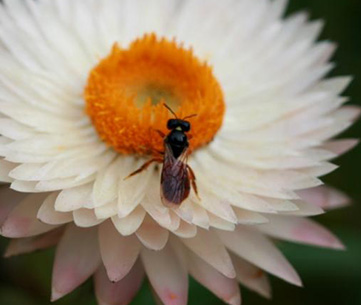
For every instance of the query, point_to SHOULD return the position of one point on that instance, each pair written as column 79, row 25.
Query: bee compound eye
column 186, row 126
column 172, row 124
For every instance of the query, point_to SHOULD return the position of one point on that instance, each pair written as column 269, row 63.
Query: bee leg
column 192, row 178
column 161, row 134
column 143, row 167
column 158, row 152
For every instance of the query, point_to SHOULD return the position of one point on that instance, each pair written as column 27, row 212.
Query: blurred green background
column 330, row 277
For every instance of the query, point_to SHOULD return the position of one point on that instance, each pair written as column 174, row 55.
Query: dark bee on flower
column 177, row 176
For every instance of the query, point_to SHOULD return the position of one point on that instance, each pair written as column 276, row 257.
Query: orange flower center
column 127, row 89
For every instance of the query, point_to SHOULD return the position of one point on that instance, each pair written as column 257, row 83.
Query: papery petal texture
column 258, row 178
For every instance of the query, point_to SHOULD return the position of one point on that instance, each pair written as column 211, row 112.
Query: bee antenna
column 190, row 116
column 170, row 109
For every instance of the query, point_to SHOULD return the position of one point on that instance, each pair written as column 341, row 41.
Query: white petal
column 132, row 191
column 49, row 215
column 72, row 270
column 54, row 33
column 106, row 211
column 219, row 223
column 318, row 171
column 223, row 287
column 304, row 209
column 130, row 224
column 218, row 174
column 106, row 184
column 121, row 292
column 70, row 167
column 24, row 186
column 325, row 197
column 340, row 147
column 272, row 142
column 152, row 235
column 5, row 168
column 9, row 199
column 62, row 183
column 35, row 119
column 186, row 230
column 86, row 218
column 119, row 253
column 53, row 155
column 22, row 220
column 252, row 277
column 185, row 211
column 249, row 218
column 225, row 192
column 301, row 230
column 27, row 245
column 153, row 205
column 238, row 199
column 336, row 85
column 215, row 204
column 200, row 216
column 74, row 198
column 167, row 275
column 208, row 247
column 257, row 249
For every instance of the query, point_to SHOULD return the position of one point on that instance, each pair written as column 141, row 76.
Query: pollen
column 127, row 90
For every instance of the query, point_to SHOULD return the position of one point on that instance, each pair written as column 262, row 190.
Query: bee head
column 178, row 124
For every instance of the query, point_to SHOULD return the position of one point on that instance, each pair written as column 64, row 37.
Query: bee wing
column 175, row 184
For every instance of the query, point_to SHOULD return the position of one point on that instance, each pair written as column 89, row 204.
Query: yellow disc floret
column 127, row 89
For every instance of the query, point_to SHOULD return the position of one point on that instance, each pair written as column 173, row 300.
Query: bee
column 177, row 176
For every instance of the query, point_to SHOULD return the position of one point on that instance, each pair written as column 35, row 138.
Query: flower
column 82, row 87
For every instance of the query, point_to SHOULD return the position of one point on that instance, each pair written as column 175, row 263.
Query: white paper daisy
column 82, row 88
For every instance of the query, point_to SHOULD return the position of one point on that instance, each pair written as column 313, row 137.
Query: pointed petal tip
column 345, row 145
column 234, row 300
column 8, row 231
column 338, row 199
column 114, row 277
column 231, row 274
column 55, row 295
column 101, row 302
column 264, row 290
column 40, row 220
column 338, row 245
column 320, row 211
column 321, row 237
column 354, row 142
column 8, row 253
column 296, row 281
column 292, row 277
column 266, row 293
column 121, row 214
column 356, row 111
